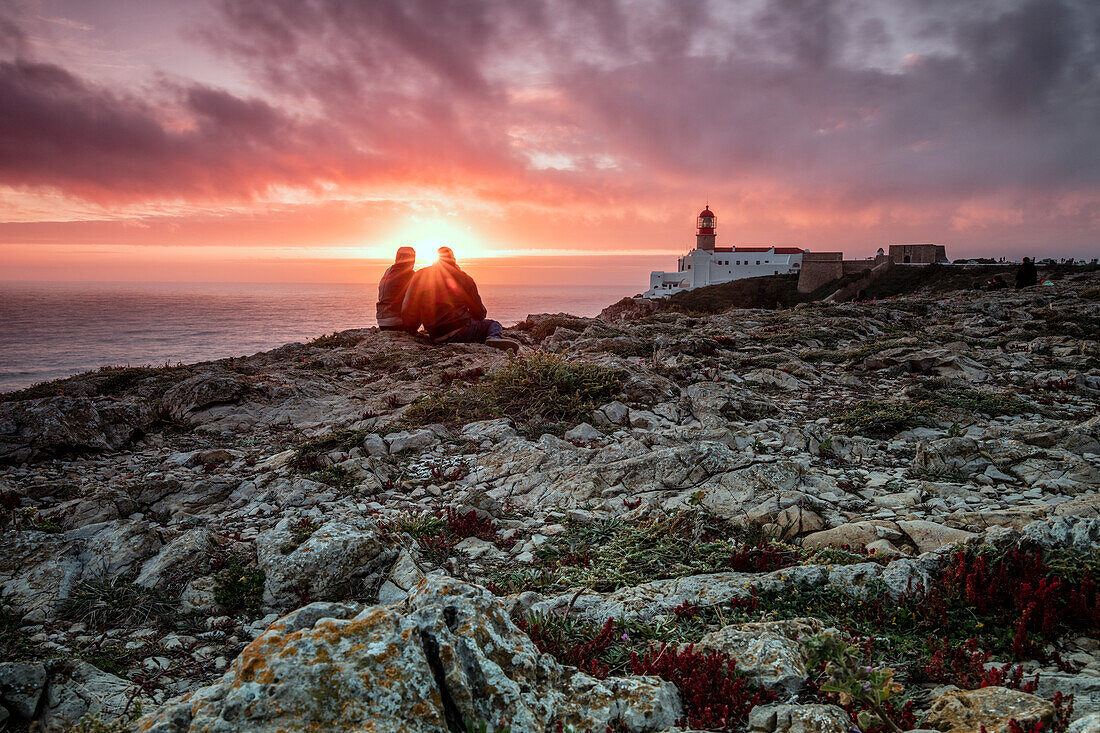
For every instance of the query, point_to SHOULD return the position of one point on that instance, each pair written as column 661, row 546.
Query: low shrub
column 104, row 604
column 438, row 532
column 337, row 340
column 309, row 456
column 716, row 695
column 540, row 388
column 240, row 586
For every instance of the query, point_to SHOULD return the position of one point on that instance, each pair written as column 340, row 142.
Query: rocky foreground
column 879, row 516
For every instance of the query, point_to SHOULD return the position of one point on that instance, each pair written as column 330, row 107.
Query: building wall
column 819, row 268
column 918, row 254
column 699, row 268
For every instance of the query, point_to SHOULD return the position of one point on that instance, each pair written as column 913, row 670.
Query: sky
column 305, row 140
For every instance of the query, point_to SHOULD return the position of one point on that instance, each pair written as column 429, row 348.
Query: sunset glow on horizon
column 241, row 140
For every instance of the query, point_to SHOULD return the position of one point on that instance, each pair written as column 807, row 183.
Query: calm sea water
column 55, row 329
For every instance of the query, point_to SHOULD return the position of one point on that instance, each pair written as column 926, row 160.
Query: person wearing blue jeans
column 445, row 300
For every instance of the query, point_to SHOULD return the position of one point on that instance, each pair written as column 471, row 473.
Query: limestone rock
column 583, row 433
column 404, row 440
column 492, row 430
column 450, row 654
column 201, row 391
column 853, row 534
column 855, row 578
column 21, row 687
column 77, row 688
column 1087, row 724
column 341, row 557
column 950, row 455
column 779, row 718
column 769, row 651
column 797, row 520
column 1084, row 687
column 179, row 559
column 966, row 711
column 928, row 536
column 1070, row 532
column 31, row 430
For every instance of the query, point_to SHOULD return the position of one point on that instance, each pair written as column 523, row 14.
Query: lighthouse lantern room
column 707, row 224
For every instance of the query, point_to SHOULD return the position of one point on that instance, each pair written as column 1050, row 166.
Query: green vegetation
column 104, row 604
column 846, row 676
column 106, row 381
column 240, row 586
column 337, row 477
column 28, row 519
column 113, row 657
column 884, row 419
column 610, row 554
column 337, row 340
column 855, row 354
column 14, row 644
column 94, row 723
column 309, row 455
column 537, row 389
column 1062, row 323
column 300, row 531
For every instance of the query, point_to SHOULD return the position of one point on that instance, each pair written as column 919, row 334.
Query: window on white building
column 758, row 262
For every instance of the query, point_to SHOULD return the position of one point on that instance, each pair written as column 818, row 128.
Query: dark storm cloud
column 57, row 130
column 833, row 100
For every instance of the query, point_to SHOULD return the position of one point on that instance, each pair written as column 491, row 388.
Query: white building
column 711, row 265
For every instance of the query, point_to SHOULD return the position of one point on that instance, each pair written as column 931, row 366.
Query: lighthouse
column 706, row 225
column 709, row 264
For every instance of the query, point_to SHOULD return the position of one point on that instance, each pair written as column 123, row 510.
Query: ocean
column 50, row 330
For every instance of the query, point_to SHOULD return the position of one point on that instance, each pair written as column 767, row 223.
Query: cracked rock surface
column 159, row 524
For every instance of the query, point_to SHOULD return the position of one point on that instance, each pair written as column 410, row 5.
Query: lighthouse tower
column 704, row 237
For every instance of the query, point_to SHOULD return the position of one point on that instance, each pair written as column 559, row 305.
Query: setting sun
column 427, row 236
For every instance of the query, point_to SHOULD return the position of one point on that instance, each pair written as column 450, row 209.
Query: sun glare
column 427, row 236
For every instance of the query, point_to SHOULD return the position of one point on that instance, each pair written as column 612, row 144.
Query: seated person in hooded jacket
column 446, row 301
column 391, row 292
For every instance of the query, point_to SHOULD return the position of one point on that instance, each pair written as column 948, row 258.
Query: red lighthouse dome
column 707, row 221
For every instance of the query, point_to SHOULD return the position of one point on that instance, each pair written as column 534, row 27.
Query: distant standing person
column 391, row 292
column 446, row 301
column 1026, row 275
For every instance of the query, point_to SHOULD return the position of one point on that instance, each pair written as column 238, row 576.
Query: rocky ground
column 879, row 515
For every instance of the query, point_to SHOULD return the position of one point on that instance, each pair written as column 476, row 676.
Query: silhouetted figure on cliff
column 446, row 301
column 1026, row 275
column 391, row 292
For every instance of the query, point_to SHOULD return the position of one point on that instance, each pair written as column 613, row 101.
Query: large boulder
column 31, row 430
column 770, row 651
column 781, row 718
column 76, row 689
column 928, row 536
column 202, row 391
column 179, row 560
column 448, row 656
column 950, row 455
column 21, row 687
column 344, row 558
column 38, row 571
column 991, row 708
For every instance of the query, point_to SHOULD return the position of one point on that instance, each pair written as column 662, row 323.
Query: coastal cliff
column 368, row 532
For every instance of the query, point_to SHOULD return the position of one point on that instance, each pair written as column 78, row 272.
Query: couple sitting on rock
column 441, row 297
